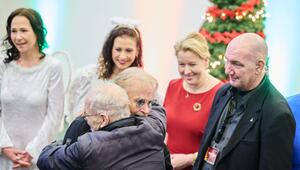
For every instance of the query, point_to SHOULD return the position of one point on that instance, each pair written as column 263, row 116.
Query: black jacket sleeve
column 77, row 128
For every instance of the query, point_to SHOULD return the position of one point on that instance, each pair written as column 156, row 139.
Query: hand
column 24, row 162
column 18, row 157
column 166, row 138
column 79, row 114
column 12, row 153
column 181, row 161
column 27, row 158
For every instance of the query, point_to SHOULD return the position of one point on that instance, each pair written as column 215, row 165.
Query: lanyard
column 230, row 112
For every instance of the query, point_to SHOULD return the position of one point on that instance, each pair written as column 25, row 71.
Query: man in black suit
column 251, row 126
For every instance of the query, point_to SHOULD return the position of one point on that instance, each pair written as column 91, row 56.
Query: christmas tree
column 227, row 19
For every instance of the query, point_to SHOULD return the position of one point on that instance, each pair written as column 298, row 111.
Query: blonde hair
column 195, row 43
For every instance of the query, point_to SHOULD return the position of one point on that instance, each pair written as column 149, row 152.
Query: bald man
column 251, row 126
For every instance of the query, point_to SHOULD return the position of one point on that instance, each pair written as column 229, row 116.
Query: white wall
column 80, row 27
column 282, row 31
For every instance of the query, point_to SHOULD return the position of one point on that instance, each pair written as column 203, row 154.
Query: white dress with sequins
column 32, row 102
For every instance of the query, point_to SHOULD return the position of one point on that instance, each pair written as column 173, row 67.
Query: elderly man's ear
column 260, row 67
column 98, row 121
column 104, row 119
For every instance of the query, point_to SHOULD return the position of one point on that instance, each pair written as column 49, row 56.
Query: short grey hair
column 106, row 96
column 126, row 77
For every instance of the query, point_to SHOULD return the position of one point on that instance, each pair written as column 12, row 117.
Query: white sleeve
column 54, row 115
column 4, row 138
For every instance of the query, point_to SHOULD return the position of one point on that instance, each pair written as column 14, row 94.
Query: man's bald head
column 251, row 43
column 245, row 61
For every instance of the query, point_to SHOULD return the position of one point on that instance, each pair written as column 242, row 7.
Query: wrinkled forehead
column 140, row 89
column 239, row 52
column 248, row 45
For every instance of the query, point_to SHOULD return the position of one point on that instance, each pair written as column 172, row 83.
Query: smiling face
column 191, row 67
column 22, row 35
column 141, row 95
column 140, row 87
column 124, row 52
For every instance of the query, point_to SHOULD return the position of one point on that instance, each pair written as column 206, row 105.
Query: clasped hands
column 20, row 158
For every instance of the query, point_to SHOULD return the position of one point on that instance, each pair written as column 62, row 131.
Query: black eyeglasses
column 141, row 102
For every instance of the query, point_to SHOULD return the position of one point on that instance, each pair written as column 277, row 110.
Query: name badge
column 211, row 155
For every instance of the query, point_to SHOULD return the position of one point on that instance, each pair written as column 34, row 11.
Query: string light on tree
column 227, row 19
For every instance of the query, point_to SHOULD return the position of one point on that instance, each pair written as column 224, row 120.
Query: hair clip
column 124, row 26
column 125, row 21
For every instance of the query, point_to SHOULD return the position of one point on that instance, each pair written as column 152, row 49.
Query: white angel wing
column 63, row 56
column 125, row 21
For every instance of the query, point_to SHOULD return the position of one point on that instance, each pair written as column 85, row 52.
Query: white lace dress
column 32, row 101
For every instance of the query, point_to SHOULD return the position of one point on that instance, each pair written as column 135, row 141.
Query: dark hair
column 106, row 63
column 37, row 25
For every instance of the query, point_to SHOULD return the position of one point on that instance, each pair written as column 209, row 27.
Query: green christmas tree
column 227, row 19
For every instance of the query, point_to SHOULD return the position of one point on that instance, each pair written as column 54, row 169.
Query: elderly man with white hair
column 251, row 126
column 117, row 140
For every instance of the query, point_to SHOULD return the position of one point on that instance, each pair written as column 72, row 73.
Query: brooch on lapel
column 197, row 107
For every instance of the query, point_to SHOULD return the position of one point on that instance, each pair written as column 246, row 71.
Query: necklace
column 196, row 105
column 187, row 95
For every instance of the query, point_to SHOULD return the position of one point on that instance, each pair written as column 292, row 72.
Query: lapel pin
column 251, row 120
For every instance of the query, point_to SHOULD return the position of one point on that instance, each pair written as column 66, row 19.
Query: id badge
column 211, row 155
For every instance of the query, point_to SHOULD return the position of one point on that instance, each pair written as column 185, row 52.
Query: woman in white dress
column 32, row 94
column 122, row 49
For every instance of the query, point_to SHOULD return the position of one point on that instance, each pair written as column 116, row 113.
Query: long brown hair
column 105, row 61
column 37, row 25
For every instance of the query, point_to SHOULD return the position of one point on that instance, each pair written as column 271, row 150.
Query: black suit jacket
column 263, row 138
